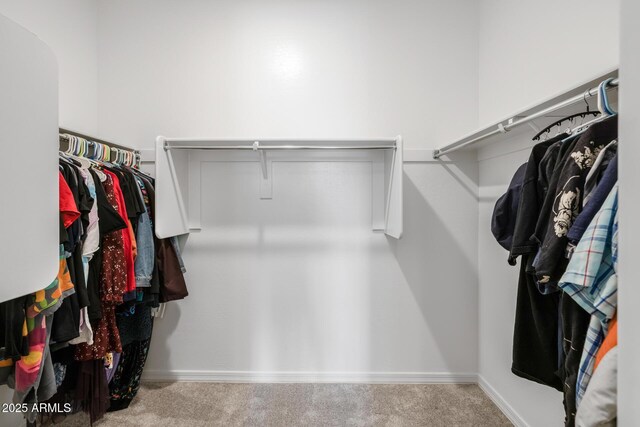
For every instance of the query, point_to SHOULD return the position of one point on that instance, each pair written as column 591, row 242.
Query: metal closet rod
column 100, row 141
column 507, row 127
column 389, row 144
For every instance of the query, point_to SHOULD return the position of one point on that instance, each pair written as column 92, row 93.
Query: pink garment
column 28, row 367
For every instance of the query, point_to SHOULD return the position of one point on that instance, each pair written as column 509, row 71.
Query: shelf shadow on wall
column 163, row 329
column 441, row 268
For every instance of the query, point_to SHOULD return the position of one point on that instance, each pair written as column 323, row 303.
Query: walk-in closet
column 319, row 213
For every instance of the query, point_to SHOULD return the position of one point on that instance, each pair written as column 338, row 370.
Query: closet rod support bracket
column 263, row 159
column 504, row 128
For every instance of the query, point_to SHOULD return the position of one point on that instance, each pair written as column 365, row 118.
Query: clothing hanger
column 72, row 149
column 580, row 129
column 86, row 158
column 603, row 106
column 79, row 159
column 84, row 162
column 91, row 153
column 70, row 159
column 605, row 97
column 570, row 118
column 83, row 147
column 99, row 151
column 76, row 146
column 64, row 154
column 78, row 152
column 70, row 144
column 545, row 132
column 144, row 174
column 98, row 159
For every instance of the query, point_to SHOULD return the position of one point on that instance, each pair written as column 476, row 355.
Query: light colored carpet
column 218, row 404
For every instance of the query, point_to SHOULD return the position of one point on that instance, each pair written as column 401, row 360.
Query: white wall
column 528, row 51
column 629, row 292
column 537, row 405
column 69, row 27
column 287, row 68
column 531, row 50
column 300, row 283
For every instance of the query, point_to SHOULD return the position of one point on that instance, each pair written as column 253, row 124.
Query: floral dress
column 113, row 283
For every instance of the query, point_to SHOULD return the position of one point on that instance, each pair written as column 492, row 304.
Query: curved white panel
column 395, row 192
column 171, row 216
column 28, row 176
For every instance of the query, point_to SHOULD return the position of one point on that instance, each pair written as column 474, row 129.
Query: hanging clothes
column 565, row 235
column 599, row 406
column 536, row 353
column 113, row 284
column 568, row 198
column 92, row 324
column 591, row 280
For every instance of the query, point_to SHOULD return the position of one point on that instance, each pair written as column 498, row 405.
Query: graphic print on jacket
column 566, row 199
column 587, row 159
column 566, row 207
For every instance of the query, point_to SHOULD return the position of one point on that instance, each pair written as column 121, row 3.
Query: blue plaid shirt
column 591, row 280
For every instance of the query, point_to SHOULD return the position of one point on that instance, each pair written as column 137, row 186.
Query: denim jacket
column 146, row 251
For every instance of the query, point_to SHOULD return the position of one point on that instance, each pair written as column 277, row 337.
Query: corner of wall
column 502, row 403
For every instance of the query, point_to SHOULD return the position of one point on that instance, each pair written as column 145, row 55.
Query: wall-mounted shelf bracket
column 263, row 159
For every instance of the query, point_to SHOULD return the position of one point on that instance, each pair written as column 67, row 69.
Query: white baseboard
column 312, row 377
column 501, row 403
